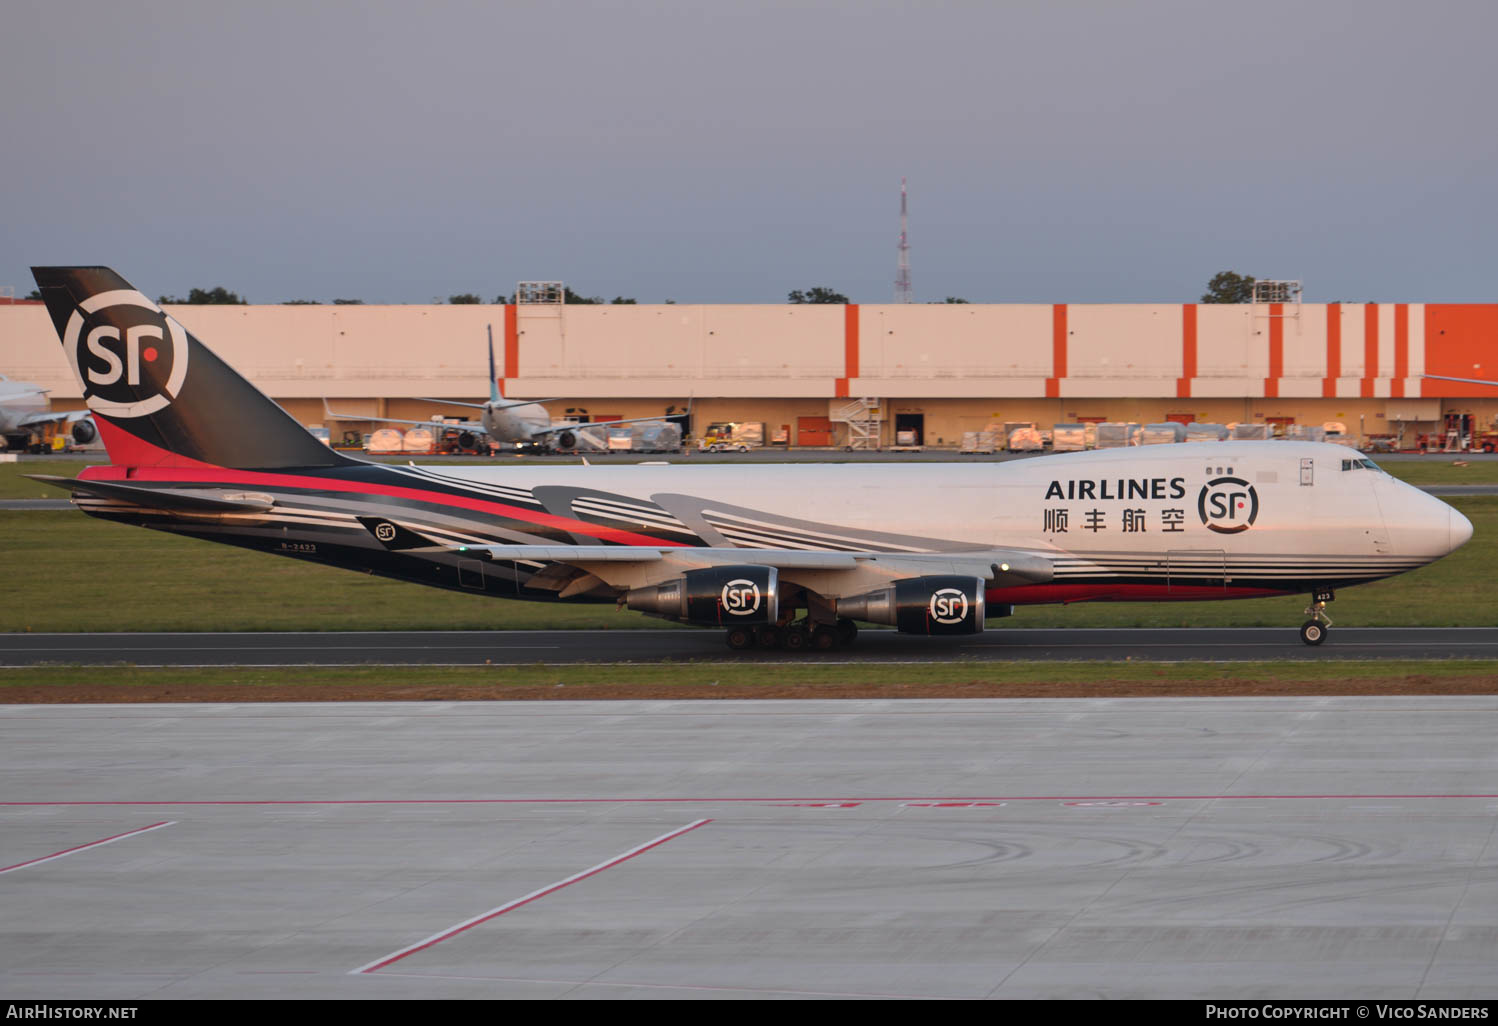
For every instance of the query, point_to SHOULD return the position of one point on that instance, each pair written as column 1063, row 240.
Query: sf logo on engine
column 130, row 356
column 741, row 597
column 1228, row 505
column 949, row 605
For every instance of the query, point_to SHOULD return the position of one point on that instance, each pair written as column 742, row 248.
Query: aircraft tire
column 795, row 639
column 847, row 632
column 824, row 638
column 1313, row 632
column 740, row 638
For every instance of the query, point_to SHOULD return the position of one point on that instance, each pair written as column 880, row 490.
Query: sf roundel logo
column 130, row 356
column 741, row 597
column 385, row 532
column 949, row 605
column 1228, row 505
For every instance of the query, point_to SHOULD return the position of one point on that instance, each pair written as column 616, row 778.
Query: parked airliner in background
column 783, row 555
column 24, row 410
column 522, row 422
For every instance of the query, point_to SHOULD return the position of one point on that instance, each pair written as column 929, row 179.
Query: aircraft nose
column 1460, row 530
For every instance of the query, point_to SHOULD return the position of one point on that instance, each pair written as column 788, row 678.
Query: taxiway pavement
column 511, row 648
column 1139, row 848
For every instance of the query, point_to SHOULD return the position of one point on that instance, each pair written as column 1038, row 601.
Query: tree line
column 1224, row 287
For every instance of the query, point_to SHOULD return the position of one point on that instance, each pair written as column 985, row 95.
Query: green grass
column 68, row 572
column 739, row 675
column 1443, row 470
column 14, row 486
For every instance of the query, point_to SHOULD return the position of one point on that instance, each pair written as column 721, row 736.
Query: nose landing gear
column 1314, row 630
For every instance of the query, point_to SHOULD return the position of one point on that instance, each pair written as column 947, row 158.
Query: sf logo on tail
column 1228, row 505
column 130, row 357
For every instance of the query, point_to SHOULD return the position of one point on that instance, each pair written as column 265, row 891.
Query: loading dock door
column 915, row 422
column 815, row 431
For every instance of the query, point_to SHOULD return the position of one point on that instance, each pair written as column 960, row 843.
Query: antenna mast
column 902, row 274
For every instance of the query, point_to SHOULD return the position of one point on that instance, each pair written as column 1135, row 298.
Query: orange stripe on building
column 1370, row 348
column 1276, row 350
column 1188, row 351
column 1333, row 350
column 512, row 343
column 1401, row 349
column 1459, row 344
column 1058, row 351
column 850, row 351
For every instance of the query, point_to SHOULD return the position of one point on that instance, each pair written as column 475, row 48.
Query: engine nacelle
column 719, row 596
column 939, row 604
column 566, row 440
column 83, row 431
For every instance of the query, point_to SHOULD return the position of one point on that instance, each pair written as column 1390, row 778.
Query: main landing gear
column 802, row 636
column 1314, row 630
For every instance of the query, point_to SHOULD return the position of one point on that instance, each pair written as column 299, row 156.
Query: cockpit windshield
column 1361, row 464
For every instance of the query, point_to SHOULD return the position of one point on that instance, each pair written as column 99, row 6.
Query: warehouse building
column 818, row 372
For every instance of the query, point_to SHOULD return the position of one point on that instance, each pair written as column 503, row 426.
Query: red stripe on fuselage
column 1102, row 591
column 205, row 474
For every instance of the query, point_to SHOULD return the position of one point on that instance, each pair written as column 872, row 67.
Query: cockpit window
column 1360, row 464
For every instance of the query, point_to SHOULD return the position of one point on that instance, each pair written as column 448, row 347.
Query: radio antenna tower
column 902, row 274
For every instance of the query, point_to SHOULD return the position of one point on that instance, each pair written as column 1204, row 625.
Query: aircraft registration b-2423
column 784, row 555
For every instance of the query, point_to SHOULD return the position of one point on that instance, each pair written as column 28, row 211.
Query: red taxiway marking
column 467, row 924
column 83, row 847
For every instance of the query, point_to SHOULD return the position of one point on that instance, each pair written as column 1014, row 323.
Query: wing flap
column 1003, row 566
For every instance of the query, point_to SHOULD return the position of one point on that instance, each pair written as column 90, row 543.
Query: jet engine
column 719, row 596
column 938, row 604
column 83, row 431
column 566, row 440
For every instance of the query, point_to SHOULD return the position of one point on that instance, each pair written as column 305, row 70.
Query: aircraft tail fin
column 159, row 396
column 494, row 395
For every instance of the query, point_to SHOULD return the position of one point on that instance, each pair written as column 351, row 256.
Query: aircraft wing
column 543, row 432
column 462, row 425
column 63, row 417
column 1006, row 567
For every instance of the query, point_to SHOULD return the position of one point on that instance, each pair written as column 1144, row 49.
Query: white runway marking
column 451, row 931
column 85, row 847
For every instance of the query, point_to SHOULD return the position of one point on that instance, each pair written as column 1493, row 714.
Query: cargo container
column 1117, row 435
column 1164, row 433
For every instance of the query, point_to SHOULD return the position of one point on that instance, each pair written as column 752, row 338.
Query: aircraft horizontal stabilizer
column 188, row 500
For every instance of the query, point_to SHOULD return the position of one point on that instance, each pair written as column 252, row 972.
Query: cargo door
column 1195, row 568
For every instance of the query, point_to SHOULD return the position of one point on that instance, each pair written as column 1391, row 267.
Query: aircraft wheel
column 847, row 632
column 1313, row 632
column 824, row 638
column 740, row 638
column 795, row 639
column 768, row 637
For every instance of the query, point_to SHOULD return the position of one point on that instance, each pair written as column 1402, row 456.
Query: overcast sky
column 724, row 152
